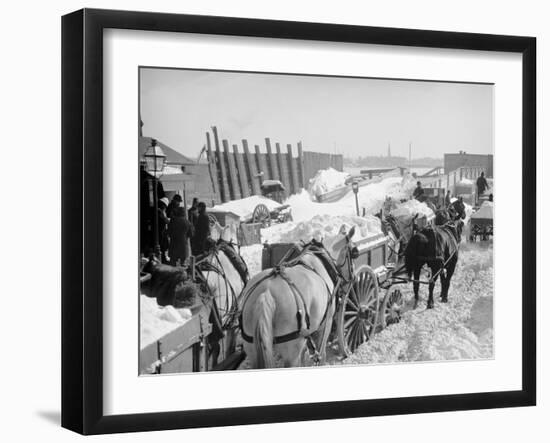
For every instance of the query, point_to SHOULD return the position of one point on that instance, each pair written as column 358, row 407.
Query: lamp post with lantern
column 355, row 187
column 154, row 161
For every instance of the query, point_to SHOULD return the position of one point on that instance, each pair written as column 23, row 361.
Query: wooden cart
column 366, row 304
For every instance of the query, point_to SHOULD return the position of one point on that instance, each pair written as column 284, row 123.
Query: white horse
column 282, row 307
column 225, row 285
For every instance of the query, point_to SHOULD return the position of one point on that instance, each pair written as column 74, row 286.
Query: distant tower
column 389, row 150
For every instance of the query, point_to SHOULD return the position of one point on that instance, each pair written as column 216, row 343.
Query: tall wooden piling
column 283, row 169
column 252, row 169
column 272, row 161
column 232, row 172
column 262, row 164
column 292, row 172
column 224, row 191
column 212, row 167
column 301, row 178
column 245, row 191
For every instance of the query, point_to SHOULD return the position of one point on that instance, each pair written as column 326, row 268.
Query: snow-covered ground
column 459, row 329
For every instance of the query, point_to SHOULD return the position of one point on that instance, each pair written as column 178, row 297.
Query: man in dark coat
column 176, row 202
column 447, row 199
column 180, row 230
column 482, row 185
column 193, row 212
column 418, row 191
column 202, row 230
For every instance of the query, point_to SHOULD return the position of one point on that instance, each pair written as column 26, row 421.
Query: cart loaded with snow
column 184, row 327
column 481, row 223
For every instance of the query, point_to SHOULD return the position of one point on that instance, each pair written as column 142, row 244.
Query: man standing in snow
column 482, row 185
column 176, row 202
column 192, row 212
column 448, row 199
column 202, row 230
column 180, row 231
column 418, row 191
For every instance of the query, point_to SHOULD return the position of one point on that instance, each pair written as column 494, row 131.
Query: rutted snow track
column 460, row 329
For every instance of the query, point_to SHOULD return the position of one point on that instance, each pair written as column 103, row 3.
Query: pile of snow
column 370, row 197
column 460, row 329
column 157, row 321
column 465, row 182
column 244, row 207
column 410, row 208
column 252, row 256
column 327, row 180
column 322, row 227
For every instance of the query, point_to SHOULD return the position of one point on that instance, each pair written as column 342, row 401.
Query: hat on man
column 177, row 198
column 165, row 201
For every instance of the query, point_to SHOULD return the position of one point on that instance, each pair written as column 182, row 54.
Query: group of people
column 179, row 232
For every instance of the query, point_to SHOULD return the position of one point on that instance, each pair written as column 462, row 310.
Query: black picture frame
column 82, row 219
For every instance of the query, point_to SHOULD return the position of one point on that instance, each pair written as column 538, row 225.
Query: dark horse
column 436, row 246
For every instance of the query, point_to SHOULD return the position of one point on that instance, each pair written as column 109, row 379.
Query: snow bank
column 465, row 182
column 322, row 227
column 410, row 208
column 244, row 207
column 157, row 321
column 252, row 256
column 460, row 329
column 326, row 180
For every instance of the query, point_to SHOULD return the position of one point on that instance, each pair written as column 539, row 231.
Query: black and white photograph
column 296, row 221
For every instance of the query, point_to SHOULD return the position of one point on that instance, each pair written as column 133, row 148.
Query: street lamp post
column 154, row 160
column 355, row 187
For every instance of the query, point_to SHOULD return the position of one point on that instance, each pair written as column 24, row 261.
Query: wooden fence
column 239, row 170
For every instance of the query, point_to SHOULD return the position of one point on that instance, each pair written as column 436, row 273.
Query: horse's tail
column 263, row 334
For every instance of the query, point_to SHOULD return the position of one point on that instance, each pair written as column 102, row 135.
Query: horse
column 437, row 247
column 225, row 273
column 287, row 307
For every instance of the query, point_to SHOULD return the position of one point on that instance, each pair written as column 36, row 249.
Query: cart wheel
column 261, row 215
column 392, row 307
column 212, row 220
column 358, row 311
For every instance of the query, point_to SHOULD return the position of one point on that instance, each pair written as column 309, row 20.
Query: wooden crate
column 273, row 253
column 249, row 234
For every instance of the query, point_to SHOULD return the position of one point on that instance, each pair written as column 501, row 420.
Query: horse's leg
column 431, row 286
column 416, row 286
column 291, row 352
column 450, row 271
column 326, row 332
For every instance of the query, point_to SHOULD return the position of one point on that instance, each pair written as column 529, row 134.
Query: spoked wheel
column 261, row 215
column 358, row 311
column 392, row 308
column 212, row 220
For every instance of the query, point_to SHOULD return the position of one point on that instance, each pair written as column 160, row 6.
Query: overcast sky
column 349, row 116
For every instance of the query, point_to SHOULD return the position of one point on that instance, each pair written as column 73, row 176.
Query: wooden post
column 242, row 173
column 271, row 160
column 283, row 171
column 232, row 172
column 262, row 164
column 212, row 167
column 224, row 191
column 292, row 170
column 252, row 169
column 301, row 178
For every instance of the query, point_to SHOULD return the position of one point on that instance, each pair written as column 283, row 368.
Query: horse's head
column 343, row 250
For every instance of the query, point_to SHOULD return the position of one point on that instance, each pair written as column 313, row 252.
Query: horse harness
column 318, row 250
